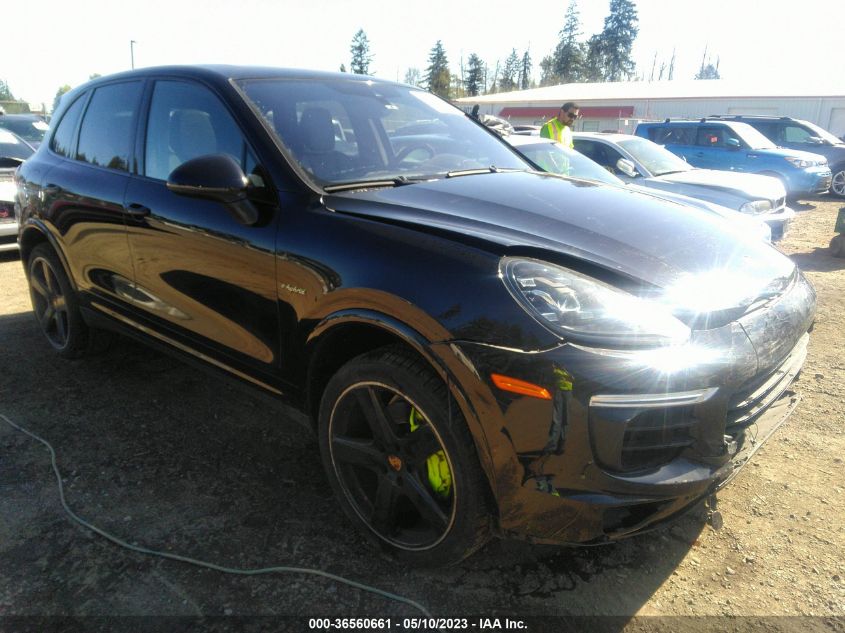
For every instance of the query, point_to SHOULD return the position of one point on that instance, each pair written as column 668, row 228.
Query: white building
column 619, row 106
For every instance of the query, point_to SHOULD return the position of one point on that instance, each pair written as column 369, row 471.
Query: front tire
column 837, row 182
column 401, row 460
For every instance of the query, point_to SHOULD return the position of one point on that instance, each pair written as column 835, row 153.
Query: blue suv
column 735, row 146
column 785, row 131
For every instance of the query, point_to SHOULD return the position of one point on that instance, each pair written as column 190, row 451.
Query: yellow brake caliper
column 439, row 475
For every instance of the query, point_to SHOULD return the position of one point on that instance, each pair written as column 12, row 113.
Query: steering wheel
column 403, row 153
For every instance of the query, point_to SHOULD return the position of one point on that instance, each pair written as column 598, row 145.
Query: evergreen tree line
column 604, row 56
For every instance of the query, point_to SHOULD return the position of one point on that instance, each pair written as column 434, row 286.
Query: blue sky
column 52, row 42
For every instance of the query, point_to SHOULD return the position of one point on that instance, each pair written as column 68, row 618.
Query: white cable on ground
column 199, row 563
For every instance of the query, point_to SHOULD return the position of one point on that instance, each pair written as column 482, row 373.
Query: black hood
column 639, row 236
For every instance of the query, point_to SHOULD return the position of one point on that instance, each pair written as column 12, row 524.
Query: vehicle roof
column 523, row 139
column 613, row 137
column 226, row 72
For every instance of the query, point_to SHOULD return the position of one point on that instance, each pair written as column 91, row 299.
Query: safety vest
column 556, row 130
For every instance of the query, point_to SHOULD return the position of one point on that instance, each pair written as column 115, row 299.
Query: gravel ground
column 166, row 457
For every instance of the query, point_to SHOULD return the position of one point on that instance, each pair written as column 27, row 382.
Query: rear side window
column 105, row 138
column 672, row 135
column 186, row 121
column 62, row 141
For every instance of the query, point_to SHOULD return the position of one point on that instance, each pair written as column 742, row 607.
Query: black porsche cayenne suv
column 483, row 349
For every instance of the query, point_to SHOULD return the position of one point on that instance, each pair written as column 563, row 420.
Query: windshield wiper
column 366, row 184
column 492, row 169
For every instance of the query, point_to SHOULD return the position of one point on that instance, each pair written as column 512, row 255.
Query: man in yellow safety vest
column 560, row 127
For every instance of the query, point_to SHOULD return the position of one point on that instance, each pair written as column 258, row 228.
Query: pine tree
column 617, row 40
column 5, row 93
column 437, row 75
column 361, row 57
column 568, row 58
column 474, row 81
column 508, row 80
column 525, row 72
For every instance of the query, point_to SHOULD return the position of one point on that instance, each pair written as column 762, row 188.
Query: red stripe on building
column 598, row 112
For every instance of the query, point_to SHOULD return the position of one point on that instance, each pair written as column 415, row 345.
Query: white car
column 639, row 161
column 13, row 151
column 555, row 158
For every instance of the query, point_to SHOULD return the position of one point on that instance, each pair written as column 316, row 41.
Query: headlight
column 801, row 163
column 758, row 206
column 581, row 308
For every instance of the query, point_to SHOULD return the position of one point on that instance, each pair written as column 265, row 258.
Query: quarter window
column 105, row 138
column 187, row 121
column 62, row 141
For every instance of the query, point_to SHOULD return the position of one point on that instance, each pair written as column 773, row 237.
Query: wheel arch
column 340, row 337
column 35, row 233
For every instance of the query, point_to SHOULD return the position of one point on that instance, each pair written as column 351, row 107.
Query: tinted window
column 342, row 130
column 105, row 137
column 12, row 147
column 796, row 134
column 186, row 121
column 62, row 142
column 672, row 135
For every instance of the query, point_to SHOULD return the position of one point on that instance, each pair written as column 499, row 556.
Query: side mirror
column 627, row 167
column 816, row 140
column 215, row 177
column 733, row 144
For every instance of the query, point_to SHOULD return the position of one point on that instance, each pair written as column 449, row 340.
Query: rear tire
column 401, row 460
column 56, row 306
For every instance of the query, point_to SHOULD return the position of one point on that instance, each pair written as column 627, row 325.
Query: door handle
column 137, row 210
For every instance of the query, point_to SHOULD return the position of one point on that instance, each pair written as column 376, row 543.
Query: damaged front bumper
column 631, row 438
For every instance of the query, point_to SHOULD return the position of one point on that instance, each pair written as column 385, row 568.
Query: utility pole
column 132, row 52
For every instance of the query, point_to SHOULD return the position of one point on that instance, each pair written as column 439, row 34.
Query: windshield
column 822, row 133
column 28, row 129
column 753, row 138
column 12, row 147
column 349, row 130
column 656, row 159
column 557, row 159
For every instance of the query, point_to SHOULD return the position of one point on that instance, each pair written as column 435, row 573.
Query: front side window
column 62, row 141
column 795, row 134
column 105, row 138
column 186, row 121
column 348, row 131
column 656, row 159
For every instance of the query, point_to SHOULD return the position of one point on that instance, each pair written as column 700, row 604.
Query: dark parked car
column 785, row 131
column 483, row 348
column 30, row 127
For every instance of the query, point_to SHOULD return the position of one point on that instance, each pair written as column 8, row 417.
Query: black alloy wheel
column 401, row 460
column 54, row 303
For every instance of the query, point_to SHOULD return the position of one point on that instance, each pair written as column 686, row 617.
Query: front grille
column 755, row 396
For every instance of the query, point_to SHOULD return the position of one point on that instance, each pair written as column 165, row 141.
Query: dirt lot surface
column 166, row 457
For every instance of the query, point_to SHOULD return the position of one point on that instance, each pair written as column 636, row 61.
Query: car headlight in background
column 802, row 163
column 757, row 206
column 584, row 309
